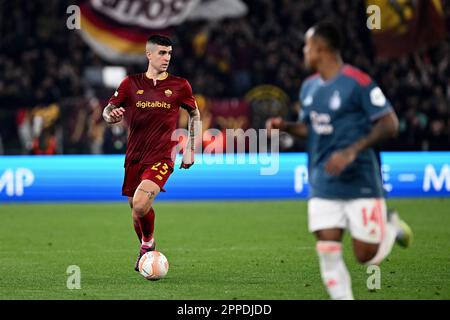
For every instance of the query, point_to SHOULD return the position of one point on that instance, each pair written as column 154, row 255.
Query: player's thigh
column 153, row 178
column 144, row 195
column 158, row 172
column 367, row 219
column 367, row 223
column 326, row 218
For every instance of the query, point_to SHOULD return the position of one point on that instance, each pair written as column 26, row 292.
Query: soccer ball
column 153, row 265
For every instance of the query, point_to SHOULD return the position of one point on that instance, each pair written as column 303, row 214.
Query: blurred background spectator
column 50, row 104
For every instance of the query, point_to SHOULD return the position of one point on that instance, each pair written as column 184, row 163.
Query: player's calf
column 364, row 252
column 333, row 270
column 136, row 223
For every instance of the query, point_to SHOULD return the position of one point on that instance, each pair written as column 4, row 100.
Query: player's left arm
column 194, row 129
column 385, row 127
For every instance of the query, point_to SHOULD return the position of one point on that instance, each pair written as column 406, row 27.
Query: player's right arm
column 298, row 129
column 113, row 112
column 385, row 126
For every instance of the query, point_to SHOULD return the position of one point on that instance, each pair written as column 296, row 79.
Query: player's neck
column 330, row 68
column 155, row 75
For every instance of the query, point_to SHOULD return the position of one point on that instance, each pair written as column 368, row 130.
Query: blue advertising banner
column 221, row 177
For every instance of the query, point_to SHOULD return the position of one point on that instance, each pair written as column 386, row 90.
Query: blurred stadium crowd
column 47, row 106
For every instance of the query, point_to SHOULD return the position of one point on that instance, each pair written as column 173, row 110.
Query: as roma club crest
column 168, row 92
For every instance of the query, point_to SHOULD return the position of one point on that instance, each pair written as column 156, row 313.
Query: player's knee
column 141, row 205
column 140, row 209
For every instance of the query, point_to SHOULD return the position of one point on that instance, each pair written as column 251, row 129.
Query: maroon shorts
column 158, row 172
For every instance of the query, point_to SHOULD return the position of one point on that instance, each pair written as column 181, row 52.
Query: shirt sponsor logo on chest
column 153, row 104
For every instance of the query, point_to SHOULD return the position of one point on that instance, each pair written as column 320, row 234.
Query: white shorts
column 364, row 218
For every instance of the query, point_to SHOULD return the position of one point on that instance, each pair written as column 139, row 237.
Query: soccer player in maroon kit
column 150, row 104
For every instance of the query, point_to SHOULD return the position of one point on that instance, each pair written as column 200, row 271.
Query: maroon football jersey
column 151, row 112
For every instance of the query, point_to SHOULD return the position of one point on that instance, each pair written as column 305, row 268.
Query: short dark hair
column 328, row 31
column 160, row 40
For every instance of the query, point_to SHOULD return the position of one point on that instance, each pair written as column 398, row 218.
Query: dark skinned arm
column 297, row 129
column 384, row 128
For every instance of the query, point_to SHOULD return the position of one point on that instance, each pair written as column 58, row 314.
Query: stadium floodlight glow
column 113, row 75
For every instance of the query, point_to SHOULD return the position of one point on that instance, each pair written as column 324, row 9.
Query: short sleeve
column 374, row 102
column 120, row 96
column 187, row 100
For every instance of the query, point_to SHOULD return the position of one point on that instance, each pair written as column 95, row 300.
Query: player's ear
column 148, row 50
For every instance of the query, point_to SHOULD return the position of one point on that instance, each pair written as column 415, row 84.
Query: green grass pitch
column 216, row 250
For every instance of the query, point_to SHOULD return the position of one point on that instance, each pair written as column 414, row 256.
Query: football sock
column 137, row 228
column 334, row 273
column 147, row 243
column 147, row 223
column 386, row 244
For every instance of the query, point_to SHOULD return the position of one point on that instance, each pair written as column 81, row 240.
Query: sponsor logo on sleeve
column 377, row 97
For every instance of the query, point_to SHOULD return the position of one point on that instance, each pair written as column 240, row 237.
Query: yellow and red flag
column 407, row 26
column 117, row 30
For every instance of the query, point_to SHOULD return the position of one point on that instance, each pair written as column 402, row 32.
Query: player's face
column 310, row 50
column 159, row 57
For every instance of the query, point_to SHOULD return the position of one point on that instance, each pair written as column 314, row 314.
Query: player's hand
column 188, row 161
column 274, row 123
column 116, row 115
column 185, row 165
column 339, row 160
